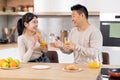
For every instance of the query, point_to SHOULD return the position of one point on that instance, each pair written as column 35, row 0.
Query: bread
column 71, row 67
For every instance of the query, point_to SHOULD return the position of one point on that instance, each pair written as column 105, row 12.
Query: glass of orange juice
column 66, row 41
column 43, row 45
column 94, row 63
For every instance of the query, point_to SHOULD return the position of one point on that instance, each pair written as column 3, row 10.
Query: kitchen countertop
column 8, row 45
column 14, row 45
column 55, row 72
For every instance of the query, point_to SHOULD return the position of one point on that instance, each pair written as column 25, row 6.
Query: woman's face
column 32, row 25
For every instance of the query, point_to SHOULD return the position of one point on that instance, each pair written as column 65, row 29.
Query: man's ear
column 82, row 14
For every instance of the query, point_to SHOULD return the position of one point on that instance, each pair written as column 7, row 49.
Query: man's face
column 76, row 18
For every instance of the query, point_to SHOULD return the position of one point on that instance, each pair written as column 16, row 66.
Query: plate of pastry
column 72, row 68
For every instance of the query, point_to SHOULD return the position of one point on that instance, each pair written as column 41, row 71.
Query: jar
column 30, row 8
column 18, row 8
column 94, row 62
column 9, row 9
column 25, row 9
column 64, row 34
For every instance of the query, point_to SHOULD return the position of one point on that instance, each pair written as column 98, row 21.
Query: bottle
column 51, row 38
column 64, row 34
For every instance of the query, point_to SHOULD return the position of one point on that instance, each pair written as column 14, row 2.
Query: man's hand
column 69, row 46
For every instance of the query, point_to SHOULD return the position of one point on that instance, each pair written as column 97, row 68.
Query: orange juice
column 43, row 45
column 66, row 43
column 94, row 64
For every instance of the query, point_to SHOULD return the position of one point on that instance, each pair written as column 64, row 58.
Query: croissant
column 71, row 67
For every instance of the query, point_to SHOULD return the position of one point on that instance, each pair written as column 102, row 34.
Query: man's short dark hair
column 80, row 9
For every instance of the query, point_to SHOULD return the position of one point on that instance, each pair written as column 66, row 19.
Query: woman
column 28, row 41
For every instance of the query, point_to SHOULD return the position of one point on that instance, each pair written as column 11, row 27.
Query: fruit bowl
column 9, row 63
column 12, row 68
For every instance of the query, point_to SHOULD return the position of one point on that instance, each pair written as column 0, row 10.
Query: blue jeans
column 42, row 58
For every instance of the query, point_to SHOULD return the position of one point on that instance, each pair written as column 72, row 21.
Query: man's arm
column 95, row 48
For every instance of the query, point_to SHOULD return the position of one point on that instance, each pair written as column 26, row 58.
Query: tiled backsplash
column 55, row 24
column 48, row 24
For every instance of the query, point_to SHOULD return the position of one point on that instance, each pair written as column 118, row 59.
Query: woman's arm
column 25, row 54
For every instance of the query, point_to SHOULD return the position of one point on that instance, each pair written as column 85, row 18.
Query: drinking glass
column 94, row 62
column 66, row 41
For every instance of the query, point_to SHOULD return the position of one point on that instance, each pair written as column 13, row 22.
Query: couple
column 85, row 40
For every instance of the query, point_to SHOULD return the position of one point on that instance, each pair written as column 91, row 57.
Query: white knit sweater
column 25, row 52
column 88, row 44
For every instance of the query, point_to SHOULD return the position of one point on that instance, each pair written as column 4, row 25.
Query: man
column 85, row 40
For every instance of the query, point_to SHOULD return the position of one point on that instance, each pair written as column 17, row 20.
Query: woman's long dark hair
column 25, row 18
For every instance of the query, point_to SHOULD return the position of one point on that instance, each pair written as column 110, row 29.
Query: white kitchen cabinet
column 110, row 6
column 93, row 5
column 55, row 5
column 103, row 5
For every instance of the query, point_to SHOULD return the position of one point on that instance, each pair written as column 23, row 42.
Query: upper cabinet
column 93, row 5
column 106, row 6
column 111, row 6
column 64, row 5
column 55, row 5
column 58, row 5
column 16, row 5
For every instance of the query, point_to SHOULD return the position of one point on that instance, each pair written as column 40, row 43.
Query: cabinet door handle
column 117, row 16
column 105, row 23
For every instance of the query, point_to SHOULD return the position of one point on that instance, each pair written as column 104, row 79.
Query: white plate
column 80, row 69
column 11, row 68
column 40, row 67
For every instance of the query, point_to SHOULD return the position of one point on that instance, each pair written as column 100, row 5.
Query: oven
column 110, row 28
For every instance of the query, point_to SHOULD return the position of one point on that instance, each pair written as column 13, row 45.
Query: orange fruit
column 12, row 64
